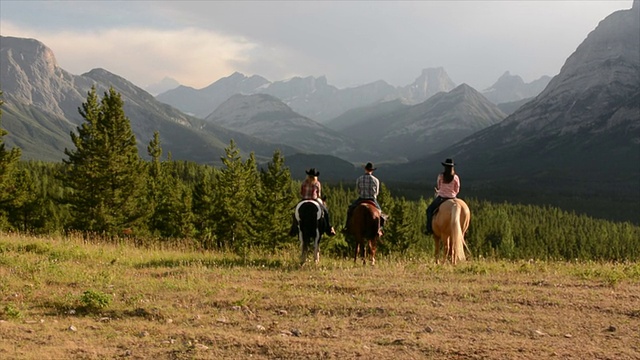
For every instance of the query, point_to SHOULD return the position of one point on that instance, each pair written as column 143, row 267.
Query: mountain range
column 314, row 98
column 575, row 143
column 42, row 101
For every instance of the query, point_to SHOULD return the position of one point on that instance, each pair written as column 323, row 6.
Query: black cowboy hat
column 313, row 172
column 448, row 162
column 369, row 167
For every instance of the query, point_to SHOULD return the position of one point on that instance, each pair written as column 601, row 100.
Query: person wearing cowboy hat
column 311, row 189
column 447, row 187
column 368, row 187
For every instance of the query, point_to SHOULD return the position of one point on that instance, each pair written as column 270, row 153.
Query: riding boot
column 294, row 227
column 329, row 230
column 429, row 229
column 346, row 226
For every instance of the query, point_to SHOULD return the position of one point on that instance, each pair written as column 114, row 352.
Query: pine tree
column 104, row 171
column 398, row 234
column 169, row 199
column 237, row 186
column 8, row 159
column 204, row 208
column 274, row 203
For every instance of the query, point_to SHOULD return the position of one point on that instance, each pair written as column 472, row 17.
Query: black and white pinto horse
column 310, row 228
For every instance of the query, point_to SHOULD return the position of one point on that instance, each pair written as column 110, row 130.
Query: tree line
column 104, row 190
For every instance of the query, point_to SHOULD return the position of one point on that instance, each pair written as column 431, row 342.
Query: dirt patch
column 336, row 311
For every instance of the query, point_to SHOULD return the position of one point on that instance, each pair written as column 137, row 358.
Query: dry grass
column 165, row 304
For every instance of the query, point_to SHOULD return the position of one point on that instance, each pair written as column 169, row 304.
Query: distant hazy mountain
column 510, row 88
column 578, row 140
column 359, row 116
column 510, row 107
column 163, row 85
column 311, row 97
column 413, row 132
column 267, row 117
column 202, row 102
column 42, row 101
column 429, row 83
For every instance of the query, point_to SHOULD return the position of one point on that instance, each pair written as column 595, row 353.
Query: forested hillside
column 105, row 191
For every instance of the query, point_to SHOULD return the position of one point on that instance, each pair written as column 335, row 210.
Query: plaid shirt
column 368, row 186
column 310, row 191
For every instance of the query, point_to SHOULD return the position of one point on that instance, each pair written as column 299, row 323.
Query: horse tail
column 457, row 237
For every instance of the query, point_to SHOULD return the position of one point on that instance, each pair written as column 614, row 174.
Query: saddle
column 370, row 202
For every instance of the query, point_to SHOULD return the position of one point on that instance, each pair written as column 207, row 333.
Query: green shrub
column 12, row 312
column 94, row 300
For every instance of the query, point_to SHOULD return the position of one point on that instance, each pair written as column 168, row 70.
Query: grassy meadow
column 65, row 298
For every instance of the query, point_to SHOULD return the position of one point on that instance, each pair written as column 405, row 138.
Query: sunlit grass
column 189, row 296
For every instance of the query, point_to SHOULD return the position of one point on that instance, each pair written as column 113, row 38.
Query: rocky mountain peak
column 31, row 75
column 601, row 75
column 430, row 82
column 510, row 88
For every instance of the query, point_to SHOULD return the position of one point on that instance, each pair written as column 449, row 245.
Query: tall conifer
column 237, row 187
column 104, row 170
column 275, row 200
column 8, row 159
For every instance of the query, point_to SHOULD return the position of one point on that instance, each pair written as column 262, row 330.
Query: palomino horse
column 364, row 227
column 310, row 228
column 450, row 224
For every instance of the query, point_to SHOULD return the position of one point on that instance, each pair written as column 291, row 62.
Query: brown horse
column 450, row 224
column 364, row 228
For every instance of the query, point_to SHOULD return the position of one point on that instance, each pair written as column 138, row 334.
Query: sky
column 350, row 42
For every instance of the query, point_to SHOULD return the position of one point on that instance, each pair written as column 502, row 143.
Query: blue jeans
column 431, row 209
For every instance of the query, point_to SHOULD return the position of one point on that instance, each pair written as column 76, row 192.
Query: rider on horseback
column 368, row 187
column 447, row 187
column 311, row 189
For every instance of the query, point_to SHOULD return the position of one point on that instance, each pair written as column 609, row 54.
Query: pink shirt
column 449, row 190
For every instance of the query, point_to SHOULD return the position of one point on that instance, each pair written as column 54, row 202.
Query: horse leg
column 316, row 250
column 372, row 244
column 450, row 254
column 364, row 253
column 303, row 250
column 355, row 255
column 437, row 249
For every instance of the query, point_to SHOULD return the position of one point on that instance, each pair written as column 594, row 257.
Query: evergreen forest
column 105, row 191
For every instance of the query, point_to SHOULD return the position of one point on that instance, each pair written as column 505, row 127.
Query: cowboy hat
column 313, row 172
column 448, row 162
column 369, row 167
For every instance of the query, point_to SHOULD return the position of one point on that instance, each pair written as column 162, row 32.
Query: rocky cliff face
column 429, row 83
column 597, row 80
column 30, row 75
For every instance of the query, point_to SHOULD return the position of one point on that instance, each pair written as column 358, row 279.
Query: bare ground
column 395, row 310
